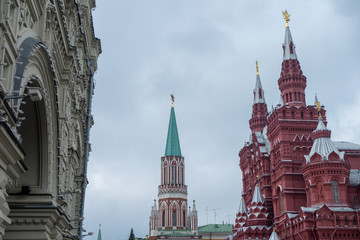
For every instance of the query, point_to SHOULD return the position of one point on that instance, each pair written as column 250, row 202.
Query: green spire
column 172, row 143
column 99, row 234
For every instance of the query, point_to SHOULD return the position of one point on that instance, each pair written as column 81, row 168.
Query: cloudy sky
column 203, row 51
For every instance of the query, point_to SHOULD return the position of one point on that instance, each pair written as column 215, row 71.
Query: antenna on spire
column 286, row 16
column 257, row 68
column 172, row 99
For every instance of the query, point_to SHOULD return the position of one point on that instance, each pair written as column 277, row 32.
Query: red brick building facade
column 297, row 182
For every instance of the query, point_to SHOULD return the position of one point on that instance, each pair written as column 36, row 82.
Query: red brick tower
column 290, row 126
column 172, row 213
column 326, row 172
column 254, row 156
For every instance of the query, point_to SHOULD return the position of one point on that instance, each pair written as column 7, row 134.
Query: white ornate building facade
column 48, row 55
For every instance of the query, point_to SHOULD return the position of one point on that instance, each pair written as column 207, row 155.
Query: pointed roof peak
column 242, row 206
column 194, row 207
column 258, row 91
column 274, row 235
column 172, row 142
column 288, row 46
column 257, row 197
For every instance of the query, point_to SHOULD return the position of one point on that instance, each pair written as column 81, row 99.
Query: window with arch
column 174, row 218
column 295, row 99
column 163, row 218
column 335, row 188
column 173, row 174
column 184, row 218
column 281, row 201
column 299, row 96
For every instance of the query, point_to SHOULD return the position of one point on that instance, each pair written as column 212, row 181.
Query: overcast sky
column 203, row 51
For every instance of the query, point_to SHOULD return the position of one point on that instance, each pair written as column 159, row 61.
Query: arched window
column 290, row 97
column 295, row 96
column 173, row 174
column 299, row 96
column 163, row 218
column 335, row 188
column 184, row 218
column 174, row 218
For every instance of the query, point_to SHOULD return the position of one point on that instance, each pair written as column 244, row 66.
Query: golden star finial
column 257, row 68
column 286, row 16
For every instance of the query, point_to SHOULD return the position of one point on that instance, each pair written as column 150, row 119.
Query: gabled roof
column 220, row 228
column 172, row 142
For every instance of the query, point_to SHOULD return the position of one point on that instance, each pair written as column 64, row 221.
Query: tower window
column 184, row 218
column 174, row 218
column 290, row 97
column 295, row 96
column 287, row 97
column 299, row 96
column 335, row 188
column 356, row 200
column 302, row 115
column 163, row 218
column 173, row 174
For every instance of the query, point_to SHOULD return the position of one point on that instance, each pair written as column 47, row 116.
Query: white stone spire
column 257, row 197
column 242, row 206
column 289, row 46
column 258, row 91
column 194, row 207
column 323, row 145
column 274, row 236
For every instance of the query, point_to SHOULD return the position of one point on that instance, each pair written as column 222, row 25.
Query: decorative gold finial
column 274, row 229
column 257, row 68
column 172, row 99
column 257, row 178
column 286, row 17
column 319, row 109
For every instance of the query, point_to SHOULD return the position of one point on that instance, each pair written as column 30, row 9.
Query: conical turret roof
column 274, row 236
column 289, row 46
column 172, row 142
column 257, row 197
column 242, row 206
column 258, row 91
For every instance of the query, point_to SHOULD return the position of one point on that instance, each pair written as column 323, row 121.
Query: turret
column 326, row 173
column 259, row 113
column 292, row 82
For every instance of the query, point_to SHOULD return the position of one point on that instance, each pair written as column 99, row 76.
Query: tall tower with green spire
column 171, row 213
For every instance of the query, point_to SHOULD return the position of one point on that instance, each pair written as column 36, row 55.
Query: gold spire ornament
column 286, row 16
column 319, row 109
column 172, row 99
column 257, row 68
